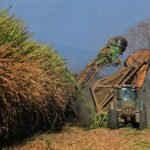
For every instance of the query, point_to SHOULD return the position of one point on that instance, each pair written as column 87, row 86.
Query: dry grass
column 75, row 138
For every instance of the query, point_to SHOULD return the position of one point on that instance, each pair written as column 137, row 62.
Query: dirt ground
column 76, row 138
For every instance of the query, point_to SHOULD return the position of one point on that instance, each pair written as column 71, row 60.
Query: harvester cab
column 126, row 107
column 126, row 97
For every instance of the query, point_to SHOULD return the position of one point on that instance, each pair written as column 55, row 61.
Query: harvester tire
column 143, row 119
column 112, row 119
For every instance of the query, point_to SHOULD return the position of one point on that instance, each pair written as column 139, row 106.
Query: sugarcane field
column 74, row 75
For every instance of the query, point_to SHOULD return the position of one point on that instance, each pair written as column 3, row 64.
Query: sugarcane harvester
column 118, row 92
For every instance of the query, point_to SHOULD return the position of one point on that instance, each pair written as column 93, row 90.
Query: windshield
column 127, row 94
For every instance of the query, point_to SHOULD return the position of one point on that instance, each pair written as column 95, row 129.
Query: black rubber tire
column 143, row 119
column 113, row 119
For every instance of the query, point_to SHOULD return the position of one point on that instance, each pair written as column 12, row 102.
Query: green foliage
column 97, row 120
column 14, row 32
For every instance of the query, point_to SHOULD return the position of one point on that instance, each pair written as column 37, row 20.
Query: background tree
column 139, row 36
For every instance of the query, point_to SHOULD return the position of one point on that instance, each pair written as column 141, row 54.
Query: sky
column 77, row 29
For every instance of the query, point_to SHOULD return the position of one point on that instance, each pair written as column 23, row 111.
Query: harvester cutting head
column 118, row 41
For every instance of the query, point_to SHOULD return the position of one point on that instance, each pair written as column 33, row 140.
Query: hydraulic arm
column 87, row 75
column 107, row 56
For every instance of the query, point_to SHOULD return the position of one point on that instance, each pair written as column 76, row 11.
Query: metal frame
column 126, row 75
